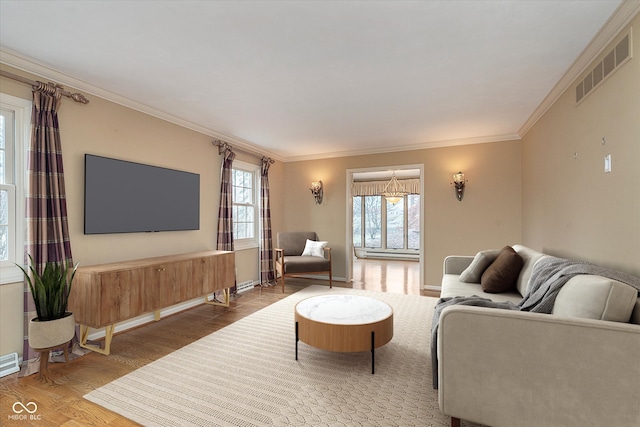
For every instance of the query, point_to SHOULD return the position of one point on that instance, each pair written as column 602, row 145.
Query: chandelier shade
column 394, row 191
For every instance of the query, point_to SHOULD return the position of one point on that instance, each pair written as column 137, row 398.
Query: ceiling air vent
column 616, row 58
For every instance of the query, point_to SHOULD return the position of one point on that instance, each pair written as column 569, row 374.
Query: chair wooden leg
column 455, row 422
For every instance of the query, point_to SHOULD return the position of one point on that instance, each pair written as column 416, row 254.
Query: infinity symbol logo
column 30, row 407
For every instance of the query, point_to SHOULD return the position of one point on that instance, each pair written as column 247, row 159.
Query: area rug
column 246, row 375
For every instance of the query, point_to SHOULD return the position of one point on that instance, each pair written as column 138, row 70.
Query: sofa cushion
column 529, row 258
column 635, row 315
column 502, row 274
column 481, row 261
column 596, row 297
column 453, row 287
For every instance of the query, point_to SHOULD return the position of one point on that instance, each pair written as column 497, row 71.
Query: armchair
column 290, row 257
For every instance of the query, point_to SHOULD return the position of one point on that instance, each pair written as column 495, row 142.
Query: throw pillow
column 502, row 274
column 481, row 261
column 313, row 248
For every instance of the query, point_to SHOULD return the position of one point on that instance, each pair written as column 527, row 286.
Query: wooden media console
column 106, row 294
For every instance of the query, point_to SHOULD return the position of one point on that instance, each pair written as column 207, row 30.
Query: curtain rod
column 222, row 146
column 42, row 86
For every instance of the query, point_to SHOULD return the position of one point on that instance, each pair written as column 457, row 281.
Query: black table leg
column 373, row 352
column 296, row 340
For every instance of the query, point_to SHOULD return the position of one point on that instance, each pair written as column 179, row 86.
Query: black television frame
column 121, row 196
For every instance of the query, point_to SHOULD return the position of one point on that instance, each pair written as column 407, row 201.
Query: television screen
column 127, row 197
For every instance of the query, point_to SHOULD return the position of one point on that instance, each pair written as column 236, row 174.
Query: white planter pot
column 51, row 333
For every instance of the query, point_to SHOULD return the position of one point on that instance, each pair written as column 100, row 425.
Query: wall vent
column 617, row 57
column 9, row 364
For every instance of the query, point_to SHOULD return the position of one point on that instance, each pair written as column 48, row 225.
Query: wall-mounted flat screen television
column 127, row 197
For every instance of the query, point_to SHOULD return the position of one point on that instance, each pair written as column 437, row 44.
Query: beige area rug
column 246, row 375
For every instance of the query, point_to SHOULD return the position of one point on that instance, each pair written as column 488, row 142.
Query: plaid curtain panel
column 225, row 213
column 267, row 274
column 46, row 205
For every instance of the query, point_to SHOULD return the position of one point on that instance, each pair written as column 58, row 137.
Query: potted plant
column 50, row 290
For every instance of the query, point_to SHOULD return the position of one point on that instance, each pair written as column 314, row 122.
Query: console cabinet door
column 201, row 276
column 166, row 284
column 224, row 271
column 123, row 292
column 154, row 282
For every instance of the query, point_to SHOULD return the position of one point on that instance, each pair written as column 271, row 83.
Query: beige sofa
column 579, row 366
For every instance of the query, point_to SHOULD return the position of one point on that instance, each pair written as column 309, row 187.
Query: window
column 245, row 183
column 15, row 116
column 375, row 218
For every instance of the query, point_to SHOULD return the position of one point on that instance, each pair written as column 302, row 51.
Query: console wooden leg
column 455, row 422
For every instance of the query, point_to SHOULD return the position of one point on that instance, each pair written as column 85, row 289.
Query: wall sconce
column 459, row 182
column 317, row 191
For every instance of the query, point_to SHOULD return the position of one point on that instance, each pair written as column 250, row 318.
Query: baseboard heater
column 9, row 364
column 388, row 254
column 245, row 286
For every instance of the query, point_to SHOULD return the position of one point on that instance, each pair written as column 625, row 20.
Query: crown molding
column 622, row 16
column 29, row 65
column 412, row 147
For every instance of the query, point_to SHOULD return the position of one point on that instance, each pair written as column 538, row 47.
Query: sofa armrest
column 505, row 368
column 456, row 264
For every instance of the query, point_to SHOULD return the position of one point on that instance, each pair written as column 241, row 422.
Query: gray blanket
column 547, row 278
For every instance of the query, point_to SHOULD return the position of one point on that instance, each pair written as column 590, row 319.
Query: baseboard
column 147, row 318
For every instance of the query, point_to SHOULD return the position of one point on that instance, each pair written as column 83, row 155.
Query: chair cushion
column 481, row 261
column 502, row 274
column 305, row 264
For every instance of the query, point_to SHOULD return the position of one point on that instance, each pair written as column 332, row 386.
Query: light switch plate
column 607, row 163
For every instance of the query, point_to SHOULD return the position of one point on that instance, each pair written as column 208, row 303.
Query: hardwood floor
column 59, row 398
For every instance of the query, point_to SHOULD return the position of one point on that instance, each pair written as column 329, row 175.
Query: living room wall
column 571, row 207
column 112, row 130
column 487, row 217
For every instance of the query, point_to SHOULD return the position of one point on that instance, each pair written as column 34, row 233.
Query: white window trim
column 9, row 272
column 243, row 244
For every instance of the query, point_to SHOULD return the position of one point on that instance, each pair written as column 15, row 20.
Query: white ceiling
column 314, row 78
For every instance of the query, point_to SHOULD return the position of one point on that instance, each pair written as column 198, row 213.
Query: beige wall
column 530, row 191
column 571, row 208
column 488, row 216
column 108, row 129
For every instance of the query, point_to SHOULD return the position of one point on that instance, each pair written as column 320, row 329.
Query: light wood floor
column 59, row 397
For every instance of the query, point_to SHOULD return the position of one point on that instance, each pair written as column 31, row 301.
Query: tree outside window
column 399, row 223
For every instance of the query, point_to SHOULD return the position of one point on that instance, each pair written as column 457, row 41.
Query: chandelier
column 393, row 191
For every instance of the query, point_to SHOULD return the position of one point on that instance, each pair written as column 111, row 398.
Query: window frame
column 254, row 170
column 9, row 272
column 383, row 227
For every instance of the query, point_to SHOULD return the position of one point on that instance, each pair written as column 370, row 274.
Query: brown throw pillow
column 502, row 274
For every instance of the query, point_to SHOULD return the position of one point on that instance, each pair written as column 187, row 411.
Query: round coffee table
column 344, row 323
